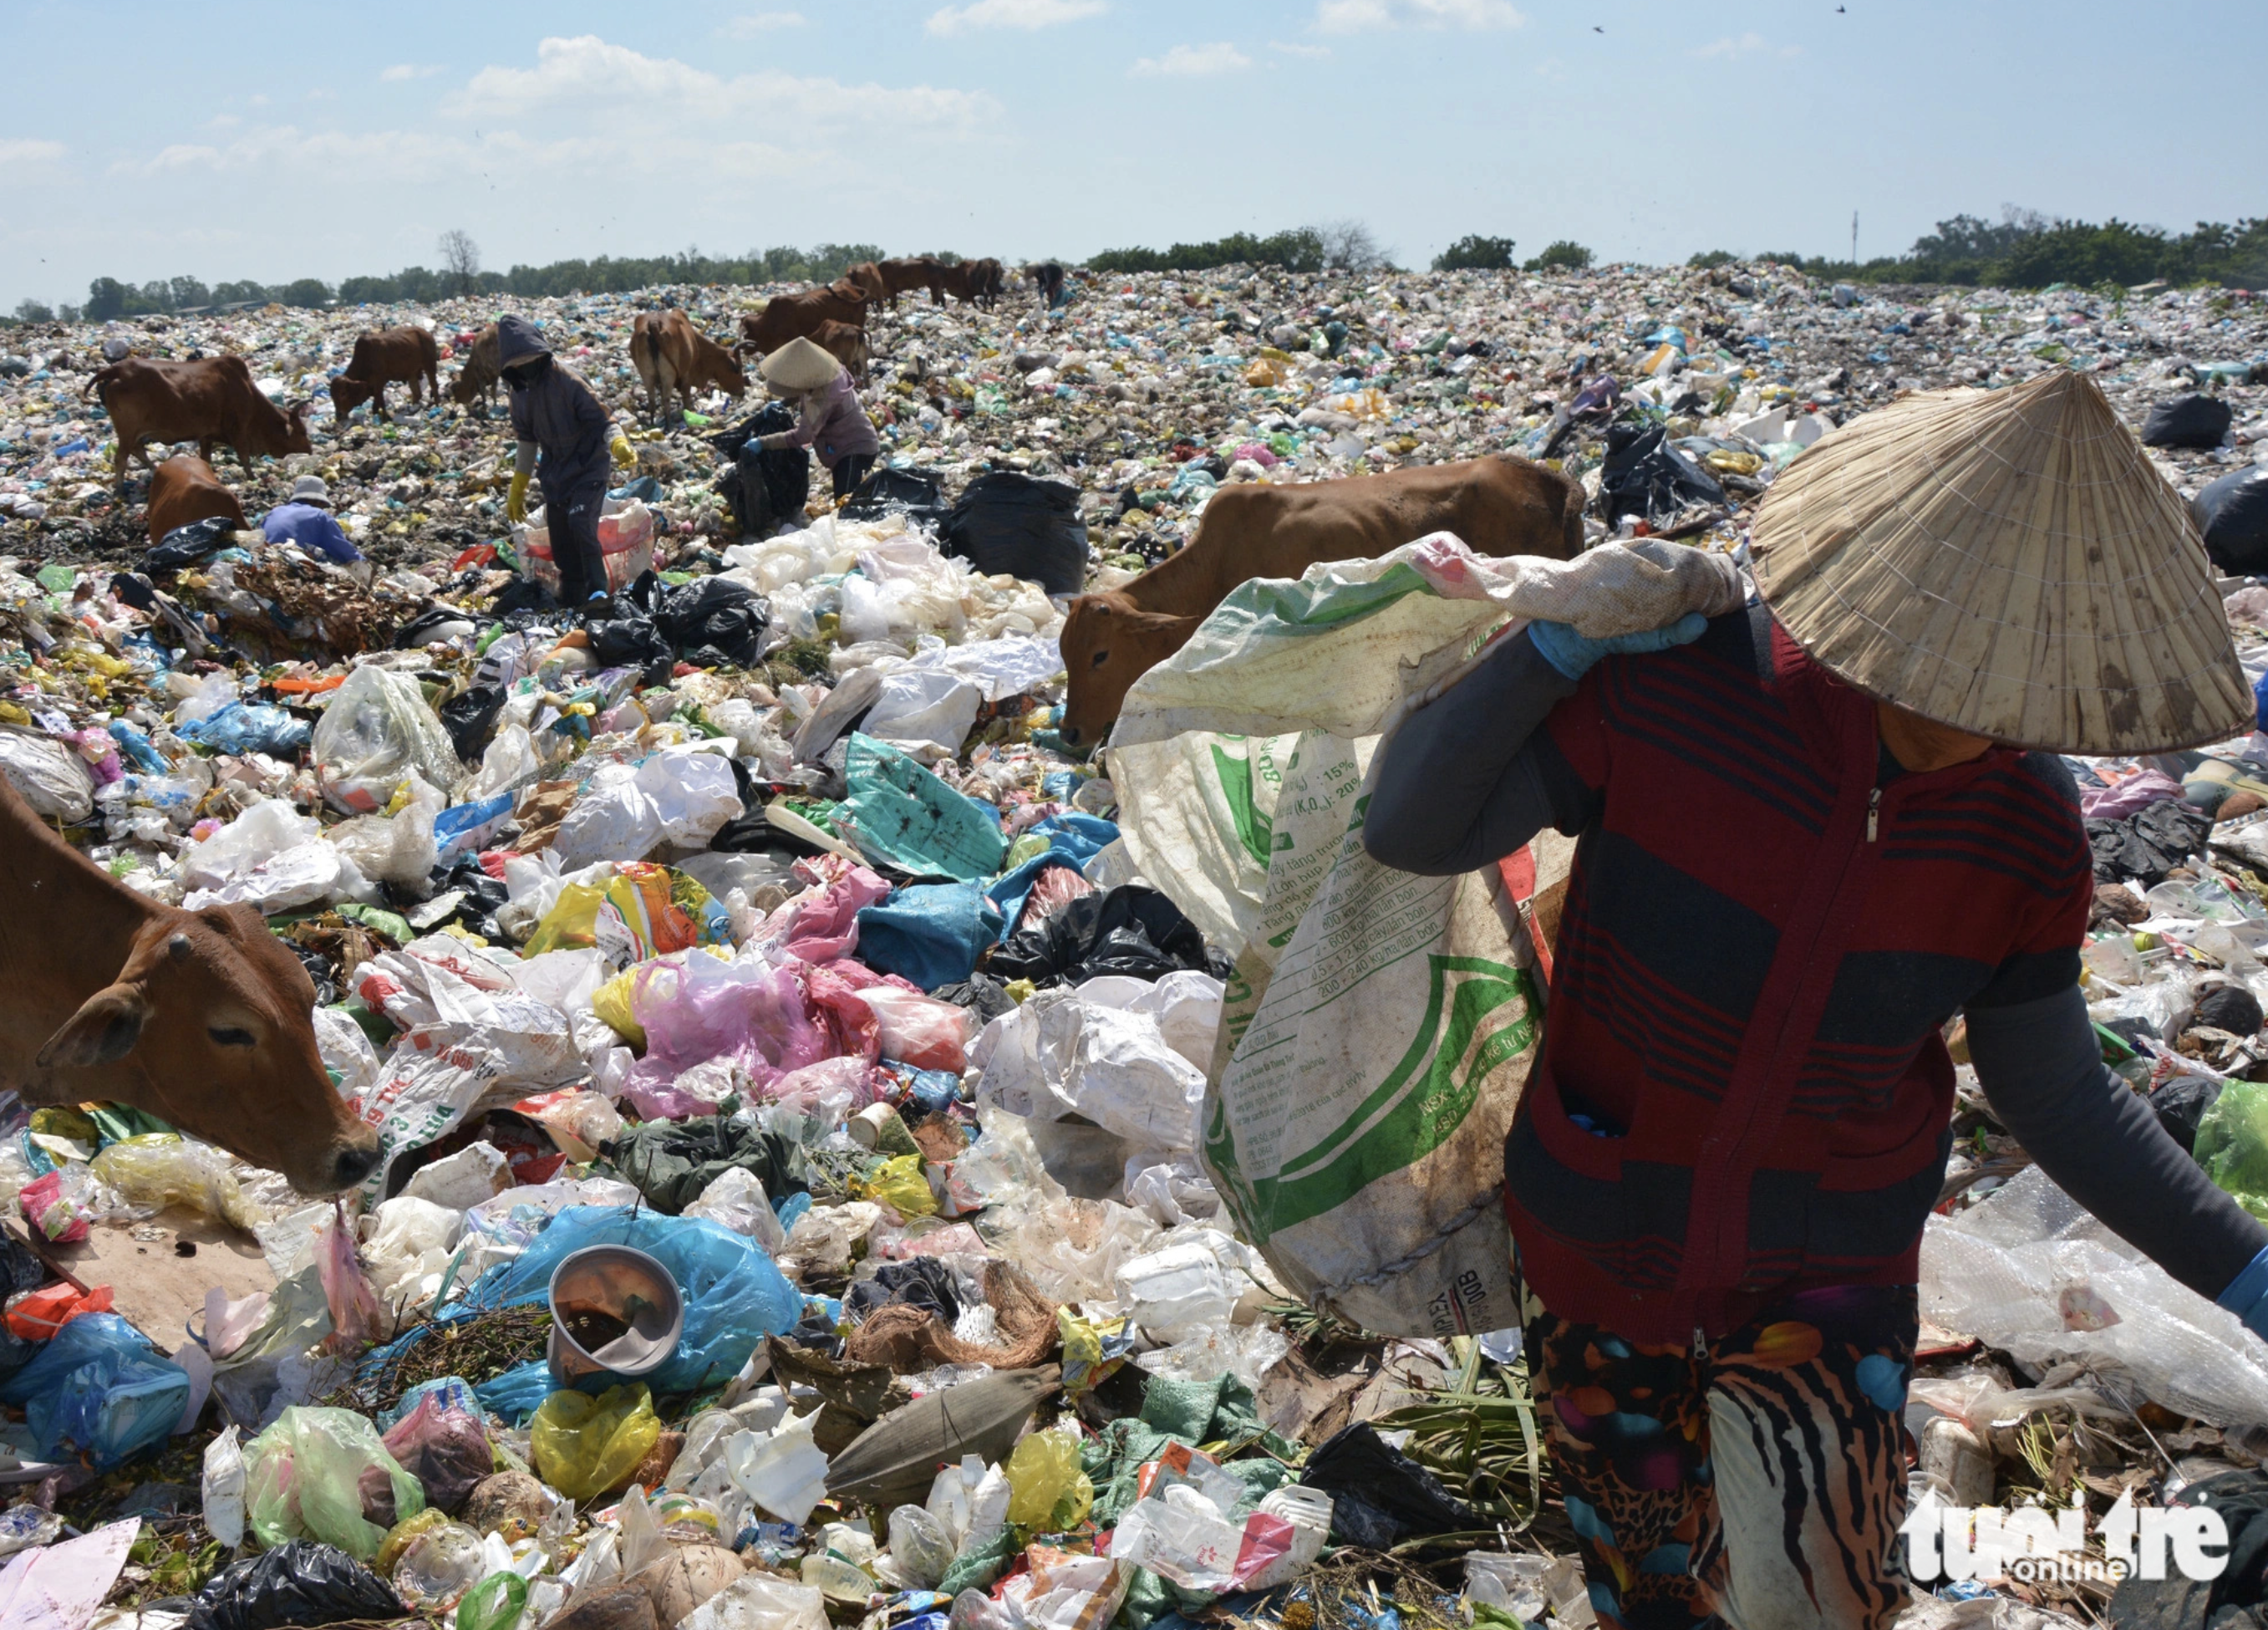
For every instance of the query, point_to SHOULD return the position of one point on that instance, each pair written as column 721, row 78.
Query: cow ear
column 102, row 1031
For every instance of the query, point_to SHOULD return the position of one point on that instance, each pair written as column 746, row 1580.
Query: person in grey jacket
column 563, row 435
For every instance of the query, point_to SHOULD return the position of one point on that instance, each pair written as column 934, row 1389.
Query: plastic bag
column 1048, row 1488
column 898, row 1183
column 375, row 731
column 735, row 1200
column 930, row 934
column 917, row 1030
column 409, row 1250
column 325, row 1474
column 495, row 1604
column 98, row 1388
column 299, row 1582
column 783, row 1471
column 157, row 1169
column 270, row 857
column 241, row 727
column 223, row 1488
column 760, row 1601
column 48, row 775
column 901, row 814
column 2233, row 514
column 1011, row 524
column 679, row 795
column 354, row 1315
column 921, row 1549
column 2232, row 1143
column 584, row 1446
column 400, row 846
column 444, row 1443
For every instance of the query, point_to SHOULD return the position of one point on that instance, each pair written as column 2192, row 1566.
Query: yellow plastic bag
column 898, row 1183
column 648, row 911
column 399, row 1536
column 160, row 1169
column 584, row 1446
column 611, row 1001
column 1047, row 1490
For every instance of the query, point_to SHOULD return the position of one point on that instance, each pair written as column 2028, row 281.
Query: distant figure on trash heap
column 554, row 415
column 305, row 518
column 829, row 419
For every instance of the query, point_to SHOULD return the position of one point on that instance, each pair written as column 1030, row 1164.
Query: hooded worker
column 829, row 419
column 1810, row 832
column 564, row 438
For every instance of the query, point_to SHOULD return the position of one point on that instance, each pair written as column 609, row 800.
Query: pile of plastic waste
column 764, row 947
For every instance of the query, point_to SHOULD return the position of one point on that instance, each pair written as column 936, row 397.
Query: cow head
column 348, row 393
column 295, row 426
column 208, row 1026
column 1109, row 642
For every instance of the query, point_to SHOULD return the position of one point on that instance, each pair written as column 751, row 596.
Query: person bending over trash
column 1810, row 833
column 554, row 415
column 829, row 419
column 305, row 520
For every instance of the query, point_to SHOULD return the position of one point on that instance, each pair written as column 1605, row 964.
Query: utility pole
column 1855, row 237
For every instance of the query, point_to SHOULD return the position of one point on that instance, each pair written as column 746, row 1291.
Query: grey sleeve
column 1468, row 779
column 2042, row 1069
column 523, row 458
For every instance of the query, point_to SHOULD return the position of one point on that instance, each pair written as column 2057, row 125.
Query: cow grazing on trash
column 979, row 282
column 482, row 373
column 1498, row 505
column 867, row 278
column 186, row 489
column 908, row 273
column 202, row 1018
column 792, row 316
column 670, row 354
column 210, row 401
column 847, row 343
column 408, row 355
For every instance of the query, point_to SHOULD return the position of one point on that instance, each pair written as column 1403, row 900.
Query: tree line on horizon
column 2023, row 249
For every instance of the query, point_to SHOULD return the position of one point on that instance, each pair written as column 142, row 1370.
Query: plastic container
column 625, row 543
column 600, row 1287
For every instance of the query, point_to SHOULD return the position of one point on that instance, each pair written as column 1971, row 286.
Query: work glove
column 625, row 456
column 2247, row 1296
column 515, row 503
column 1574, row 655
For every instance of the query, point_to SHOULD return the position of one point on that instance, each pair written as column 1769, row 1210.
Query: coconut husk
column 908, row 1339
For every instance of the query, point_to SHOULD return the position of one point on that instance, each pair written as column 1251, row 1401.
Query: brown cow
column 791, row 316
column 210, row 401
column 986, row 282
column 186, row 489
column 1499, row 505
column 404, row 356
column 846, row 343
column 478, row 379
column 920, row 271
column 202, row 1018
column 670, row 353
column 866, row 277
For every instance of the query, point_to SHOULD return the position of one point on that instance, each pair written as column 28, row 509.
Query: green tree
column 1708, row 258
column 33, row 311
column 1564, row 256
column 188, row 292
column 105, row 298
column 1475, row 253
column 307, row 292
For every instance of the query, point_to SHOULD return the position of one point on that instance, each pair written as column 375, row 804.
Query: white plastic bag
column 924, row 707
column 783, row 1471
column 376, row 730
column 736, row 1200
column 271, row 857
column 224, row 1488
column 397, row 848
column 49, row 777
column 760, row 1601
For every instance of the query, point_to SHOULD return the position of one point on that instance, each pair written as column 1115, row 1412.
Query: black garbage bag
column 2181, row 1103
column 298, row 1583
column 2148, row 844
column 763, row 488
column 1644, row 476
column 922, row 1282
column 1008, row 523
column 2230, row 1008
column 2192, row 421
column 2233, row 514
column 713, row 622
column 470, row 718
column 524, row 598
column 2179, row 1604
column 981, row 994
column 485, row 895
column 920, row 496
column 1130, row 930
column 1380, row 1497
column 632, row 640
column 670, row 1163
column 185, row 546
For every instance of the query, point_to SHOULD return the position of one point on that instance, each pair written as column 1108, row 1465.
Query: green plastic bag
column 2232, row 1144
column 584, row 1446
column 901, row 814
column 495, row 1604
column 324, row 1474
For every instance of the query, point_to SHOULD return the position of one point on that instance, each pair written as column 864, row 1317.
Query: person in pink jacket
column 829, row 419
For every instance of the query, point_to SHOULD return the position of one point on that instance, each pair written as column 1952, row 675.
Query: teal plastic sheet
column 906, row 818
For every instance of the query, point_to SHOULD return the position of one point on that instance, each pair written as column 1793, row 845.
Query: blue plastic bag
column 1072, row 841
column 733, row 1296
column 467, row 826
column 931, row 934
column 906, row 817
column 515, row 1396
column 100, row 1390
column 258, row 728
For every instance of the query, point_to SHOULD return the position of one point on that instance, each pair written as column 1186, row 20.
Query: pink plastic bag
column 852, row 1029
column 702, row 1009
column 802, row 1089
column 356, row 1322
column 56, row 1214
column 825, row 922
column 918, row 1030
column 444, row 1443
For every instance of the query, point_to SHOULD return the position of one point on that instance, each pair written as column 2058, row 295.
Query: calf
column 477, row 379
column 404, row 356
column 186, row 489
column 847, row 343
column 791, row 316
column 202, row 1018
column 1499, row 505
column 210, row 401
column 670, row 353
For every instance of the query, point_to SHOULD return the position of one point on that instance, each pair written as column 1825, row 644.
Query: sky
column 277, row 142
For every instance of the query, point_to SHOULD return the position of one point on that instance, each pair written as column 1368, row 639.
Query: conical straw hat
column 799, row 365
column 2009, row 564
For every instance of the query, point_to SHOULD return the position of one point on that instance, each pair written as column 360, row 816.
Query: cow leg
column 378, row 401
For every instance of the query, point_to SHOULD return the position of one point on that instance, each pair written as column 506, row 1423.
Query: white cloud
column 1749, row 44
column 1349, row 17
column 1288, row 48
column 409, row 70
column 1026, row 14
column 1194, row 61
column 749, row 25
column 29, row 150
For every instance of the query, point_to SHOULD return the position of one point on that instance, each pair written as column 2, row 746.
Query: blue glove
column 2247, row 1296
column 1574, row 655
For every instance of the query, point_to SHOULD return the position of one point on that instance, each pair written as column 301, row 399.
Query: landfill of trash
column 790, row 1060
